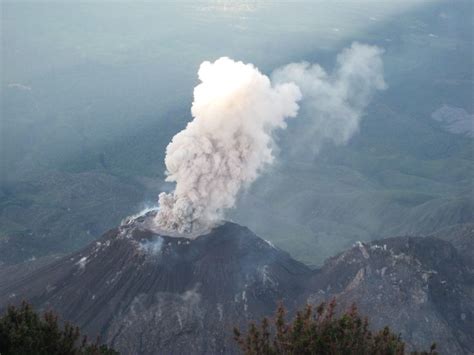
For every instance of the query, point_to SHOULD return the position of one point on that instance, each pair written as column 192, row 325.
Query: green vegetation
column 23, row 331
column 320, row 333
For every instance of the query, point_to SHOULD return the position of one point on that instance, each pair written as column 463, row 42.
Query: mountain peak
column 166, row 290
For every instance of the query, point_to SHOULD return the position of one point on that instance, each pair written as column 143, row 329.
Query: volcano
column 141, row 291
column 145, row 292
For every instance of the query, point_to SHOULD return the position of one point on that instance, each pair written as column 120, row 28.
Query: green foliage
column 23, row 331
column 320, row 333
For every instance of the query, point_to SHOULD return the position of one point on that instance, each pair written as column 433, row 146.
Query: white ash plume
column 236, row 109
column 226, row 145
column 333, row 104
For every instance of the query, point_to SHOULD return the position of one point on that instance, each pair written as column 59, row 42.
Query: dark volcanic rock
column 143, row 292
column 462, row 238
column 420, row 287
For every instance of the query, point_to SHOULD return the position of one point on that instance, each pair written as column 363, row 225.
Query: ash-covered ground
column 146, row 292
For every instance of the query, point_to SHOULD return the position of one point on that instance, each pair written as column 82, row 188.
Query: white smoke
column 334, row 103
column 236, row 109
column 227, row 144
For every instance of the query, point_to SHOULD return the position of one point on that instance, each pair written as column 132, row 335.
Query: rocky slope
column 421, row 287
column 145, row 292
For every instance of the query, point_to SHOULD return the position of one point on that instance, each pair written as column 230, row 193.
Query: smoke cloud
column 334, row 104
column 235, row 111
column 226, row 145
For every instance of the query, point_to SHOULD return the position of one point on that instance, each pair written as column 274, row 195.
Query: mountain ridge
column 142, row 291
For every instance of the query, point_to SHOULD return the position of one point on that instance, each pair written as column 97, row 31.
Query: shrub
column 319, row 333
column 23, row 331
